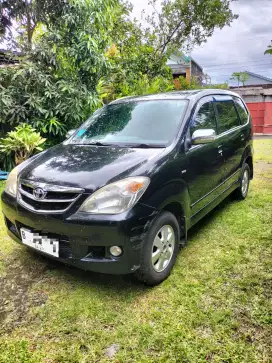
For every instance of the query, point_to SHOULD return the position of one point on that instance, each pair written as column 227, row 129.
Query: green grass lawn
column 213, row 308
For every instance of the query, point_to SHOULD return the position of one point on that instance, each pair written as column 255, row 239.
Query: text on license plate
column 41, row 243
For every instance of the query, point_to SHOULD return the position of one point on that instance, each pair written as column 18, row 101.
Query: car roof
column 177, row 95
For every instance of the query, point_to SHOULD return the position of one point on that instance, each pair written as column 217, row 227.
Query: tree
column 268, row 50
column 136, row 67
column 135, row 45
column 58, row 78
column 23, row 16
column 191, row 22
column 240, row 77
column 139, row 53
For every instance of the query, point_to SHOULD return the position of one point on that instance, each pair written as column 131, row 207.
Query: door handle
column 220, row 151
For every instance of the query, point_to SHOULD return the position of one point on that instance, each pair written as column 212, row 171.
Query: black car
column 120, row 195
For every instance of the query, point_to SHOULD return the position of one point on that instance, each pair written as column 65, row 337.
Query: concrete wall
column 259, row 102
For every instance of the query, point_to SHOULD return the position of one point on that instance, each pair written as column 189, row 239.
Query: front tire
column 160, row 250
column 242, row 191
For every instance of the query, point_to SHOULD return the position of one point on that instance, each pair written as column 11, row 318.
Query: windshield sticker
column 81, row 132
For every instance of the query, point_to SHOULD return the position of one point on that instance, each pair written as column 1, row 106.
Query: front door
column 205, row 170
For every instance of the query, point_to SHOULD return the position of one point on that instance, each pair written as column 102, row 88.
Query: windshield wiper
column 125, row 145
column 147, row 146
column 97, row 143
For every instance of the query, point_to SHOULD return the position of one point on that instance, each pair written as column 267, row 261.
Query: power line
column 230, row 73
column 254, row 70
column 238, row 62
column 228, row 76
column 248, row 69
column 256, row 58
column 245, row 66
column 239, row 41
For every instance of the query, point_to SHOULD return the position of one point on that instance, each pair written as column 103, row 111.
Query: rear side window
column 204, row 119
column 227, row 115
column 241, row 110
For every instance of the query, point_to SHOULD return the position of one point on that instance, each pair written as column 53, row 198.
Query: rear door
column 230, row 137
column 244, row 121
column 205, row 171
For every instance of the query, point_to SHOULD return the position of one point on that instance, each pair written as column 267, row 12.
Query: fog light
column 116, row 251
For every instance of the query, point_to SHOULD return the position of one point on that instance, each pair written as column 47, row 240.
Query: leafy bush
column 33, row 92
column 183, row 84
column 52, row 129
column 21, row 143
column 57, row 79
column 217, row 86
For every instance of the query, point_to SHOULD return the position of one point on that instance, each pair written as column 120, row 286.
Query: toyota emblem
column 39, row 193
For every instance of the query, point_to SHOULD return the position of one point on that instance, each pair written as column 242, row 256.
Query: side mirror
column 203, row 136
column 70, row 133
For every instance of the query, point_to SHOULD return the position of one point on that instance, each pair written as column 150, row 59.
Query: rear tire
column 160, row 250
column 241, row 192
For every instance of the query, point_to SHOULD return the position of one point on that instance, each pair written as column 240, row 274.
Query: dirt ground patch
column 262, row 166
column 15, row 299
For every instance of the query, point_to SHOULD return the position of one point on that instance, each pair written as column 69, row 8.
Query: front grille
column 51, row 195
column 47, row 198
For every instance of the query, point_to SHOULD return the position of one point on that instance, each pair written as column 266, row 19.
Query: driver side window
column 204, row 119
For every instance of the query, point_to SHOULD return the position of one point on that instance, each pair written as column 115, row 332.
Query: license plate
column 41, row 243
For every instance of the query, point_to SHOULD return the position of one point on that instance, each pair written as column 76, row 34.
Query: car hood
column 86, row 166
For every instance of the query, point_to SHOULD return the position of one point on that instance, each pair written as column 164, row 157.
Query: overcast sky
column 238, row 47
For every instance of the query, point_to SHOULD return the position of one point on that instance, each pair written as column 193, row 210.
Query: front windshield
column 150, row 123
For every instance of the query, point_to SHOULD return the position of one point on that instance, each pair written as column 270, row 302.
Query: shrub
column 53, row 130
column 21, row 143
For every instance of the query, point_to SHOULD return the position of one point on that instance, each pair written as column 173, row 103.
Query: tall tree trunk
column 29, row 29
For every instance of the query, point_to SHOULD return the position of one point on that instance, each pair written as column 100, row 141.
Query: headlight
column 11, row 184
column 116, row 197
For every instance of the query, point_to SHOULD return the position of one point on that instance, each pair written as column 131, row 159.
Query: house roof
column 258, row 76
column 179, row 58
column 182, row 59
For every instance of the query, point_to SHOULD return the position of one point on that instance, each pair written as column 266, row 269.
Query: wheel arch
column 178, row 211
column 173, row 197
column 248, row 158
column 249, row 161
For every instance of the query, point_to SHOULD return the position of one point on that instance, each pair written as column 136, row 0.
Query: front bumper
column 85, row 239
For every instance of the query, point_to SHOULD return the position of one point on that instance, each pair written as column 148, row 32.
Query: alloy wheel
column 245, row 182
column 163, row 248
